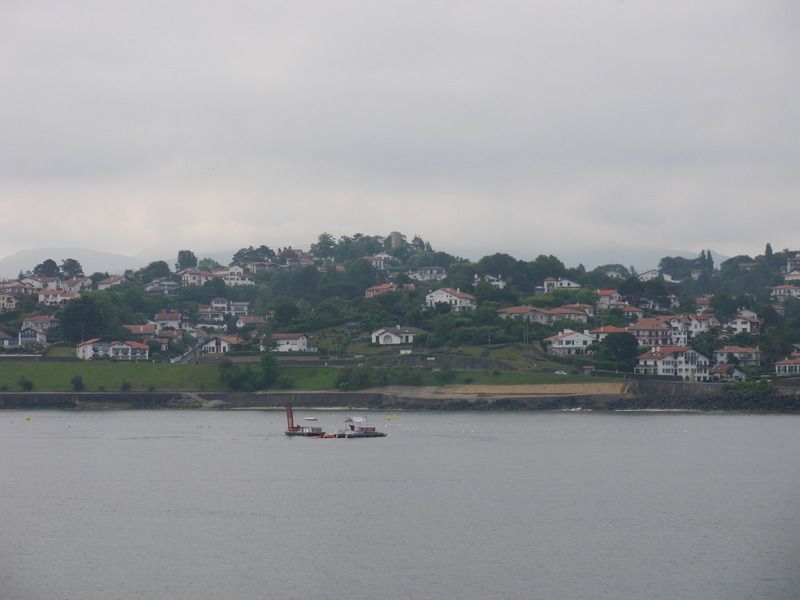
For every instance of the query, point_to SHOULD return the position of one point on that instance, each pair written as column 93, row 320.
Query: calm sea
column 200, row 505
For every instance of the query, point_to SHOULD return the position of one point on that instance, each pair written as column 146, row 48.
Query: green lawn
column 56, row 376
column 107, row 376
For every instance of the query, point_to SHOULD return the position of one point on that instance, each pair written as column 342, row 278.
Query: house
column 378, row 261
column 162, row 285
column 195, row 277
column 290, row 342
column 252, row 321
column 785, row 291
column 606, row 298
column 90, row 349
column 128, row 351
column 587, row 308
column 649, row 275
column 551, row 284
column 260, row 267
column 168, row 320
column 531, row 314
column 632, row 313
column 8, row 302
column 428, row 274
column 701, row 323
column 389, row 336
column 793, row 262
column 39, row 283
column 457, row 300
column 234, row 279
column 77, row 284
column 727, row 372
column 110, row 282
column 600, row 333
column 495, row 282
column 377, row 290
column 569, row 343
column 31, row 336
column 142, row 331
column 743, row 325
column 674, row 361
column 7, row 341
column 219, row 344
column 56, row 297
column 43, row 322
column 209, row 314
column 739, row 355
column 17, row 288
column 703, row 303
column 658, row 331
column 568, row 314
column 789, row 366
column 793, row 276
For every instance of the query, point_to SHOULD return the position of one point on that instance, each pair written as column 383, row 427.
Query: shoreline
column 621, row 397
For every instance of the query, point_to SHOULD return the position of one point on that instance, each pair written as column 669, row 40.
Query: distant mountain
column 91, row 260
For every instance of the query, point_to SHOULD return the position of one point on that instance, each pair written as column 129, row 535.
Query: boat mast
column 289, row 416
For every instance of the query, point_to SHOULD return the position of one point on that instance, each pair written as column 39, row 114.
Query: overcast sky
column 524, row 127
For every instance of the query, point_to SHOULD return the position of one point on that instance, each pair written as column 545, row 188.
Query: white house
column 531, row 314
column 8, row 302
column 168, row 320
column 195, row 277
column 785, row 291
column 743, row 325
column 428, row 274
column 43, row 322
column 219, row 344
column 601, row 333
column 459, row 301
column 552, row 283
column 676, row 361
column 110, row 282
column 94, row 348
column 789, row 366
column 569, row 342
column 30, row 336
column 290, row 342
column 252, row 321
column 395, row 335
column 128, row 351
column 495, row 282
column 56, row 297
column 606, row 298
column 744, row 356
column 7, row 341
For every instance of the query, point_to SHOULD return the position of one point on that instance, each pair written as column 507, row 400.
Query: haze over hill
column 96, row 260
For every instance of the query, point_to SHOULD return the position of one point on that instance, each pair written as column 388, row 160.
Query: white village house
column 675, row 361
column 290, row 342
column 457, row 300
column 569, row 343
column 391, row 336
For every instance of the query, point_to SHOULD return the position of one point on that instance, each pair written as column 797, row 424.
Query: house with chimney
column 674, row 361
column 457, row 300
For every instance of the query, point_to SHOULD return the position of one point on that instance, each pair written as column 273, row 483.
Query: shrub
column 125, row 385
column 77, row 383
column 25, row 383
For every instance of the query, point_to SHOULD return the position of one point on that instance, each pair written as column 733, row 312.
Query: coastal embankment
column 622, row 395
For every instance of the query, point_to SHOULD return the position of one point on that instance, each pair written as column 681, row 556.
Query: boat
column 355, row 427
column 293, row 430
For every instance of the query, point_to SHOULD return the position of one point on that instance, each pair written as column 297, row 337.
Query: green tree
column 325, row 247
column 186, row 260
column 621, row 348
column 71, row 268
column 77, row 383
column 47, row 268
column 208, row 264
column 154, row 270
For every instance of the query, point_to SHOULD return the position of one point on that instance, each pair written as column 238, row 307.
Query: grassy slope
column 56, row 376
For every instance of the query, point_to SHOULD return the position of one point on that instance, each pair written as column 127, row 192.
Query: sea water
column 200, row 505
